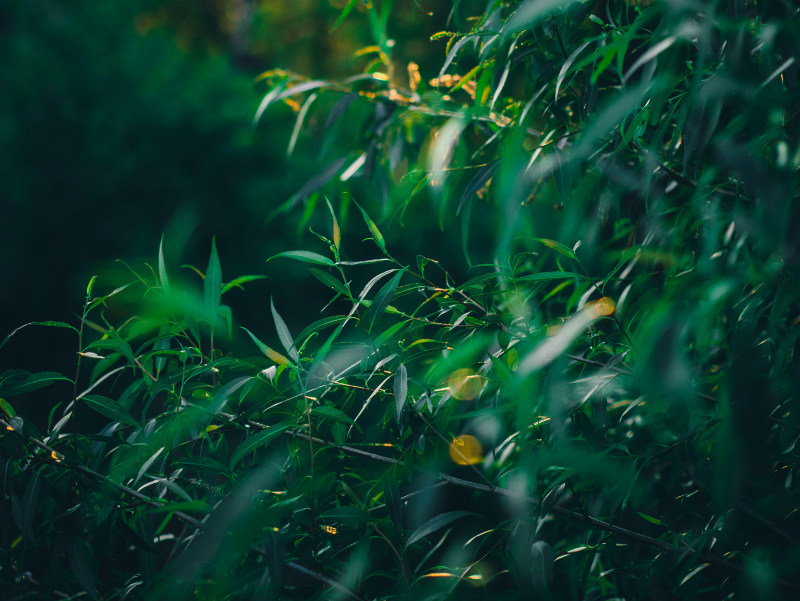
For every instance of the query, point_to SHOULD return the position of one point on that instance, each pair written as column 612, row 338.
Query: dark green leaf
column 436, row 523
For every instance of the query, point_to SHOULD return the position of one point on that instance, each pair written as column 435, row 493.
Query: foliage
column 598, row 405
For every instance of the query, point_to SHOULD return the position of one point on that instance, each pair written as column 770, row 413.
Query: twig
column 57, row 459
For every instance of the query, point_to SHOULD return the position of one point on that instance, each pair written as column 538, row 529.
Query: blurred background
column 120, row 122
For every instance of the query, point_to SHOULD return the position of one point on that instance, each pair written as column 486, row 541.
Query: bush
column 594, row 400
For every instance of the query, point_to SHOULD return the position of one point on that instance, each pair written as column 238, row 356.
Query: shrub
column 598, row 405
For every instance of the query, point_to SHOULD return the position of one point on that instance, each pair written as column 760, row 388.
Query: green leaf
column 162, row 268
column 382, row 299
column 549, row 275
column 198, row 506
column 116, row 345
column 283, row 332
column 531, row 12
column 258, row 440
column 304, row 255
column 345, row 11
column 222, row 395
column 376, row 233
column 237, row 283
column 387, row 335
column 31, row 382
column 400, row 390
column 202, row 464
column 109, row 408
column 6, row 408
column 321, row 324
column 334, row 414
column 50, row 324
column 82, row 570
column 436, row 523
column 331, row 282
column 212, row 284
column 271, row 354
column 558, row 247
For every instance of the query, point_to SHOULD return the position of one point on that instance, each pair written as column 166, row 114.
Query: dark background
column 120, row 122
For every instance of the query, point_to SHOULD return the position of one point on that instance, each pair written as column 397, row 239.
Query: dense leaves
column 594, row 401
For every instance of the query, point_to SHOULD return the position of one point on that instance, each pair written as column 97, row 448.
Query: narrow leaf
column 319, row 180
column 109, row 408
column 33, row 382
column 271, row 354
column 283, row 333
column 400, row 390
column 162, row 268
column 304, row 255
column 258, row 440
column 383, row 298
column 82, row 570
column 376, row 233
column 436, row 523
column 212, row 283
column 334, row 414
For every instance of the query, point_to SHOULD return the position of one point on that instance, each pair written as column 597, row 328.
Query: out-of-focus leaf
column 542, row 564
column 319, row 180
column 435, row 523
column 532, row 12
column 477, row 182
column 567, row 64
column 82, row 570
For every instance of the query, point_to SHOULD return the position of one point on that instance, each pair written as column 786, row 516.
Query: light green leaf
column 162, row 268
column 376, row 233
column 304, row 255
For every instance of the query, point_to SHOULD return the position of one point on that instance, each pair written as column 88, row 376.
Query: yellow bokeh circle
column 464, row 384
column 602, row 307
column 466, row 450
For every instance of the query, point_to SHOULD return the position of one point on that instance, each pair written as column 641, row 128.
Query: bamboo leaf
column 304, row 255
column 212, row 284
column 109, row 408
column 258, row 440
column 400, row 390
column 436, row 523
column 283, row 333
column 383, row 298
column 376, row 233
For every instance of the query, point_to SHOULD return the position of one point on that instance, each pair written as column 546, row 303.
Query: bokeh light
column 466, row 450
